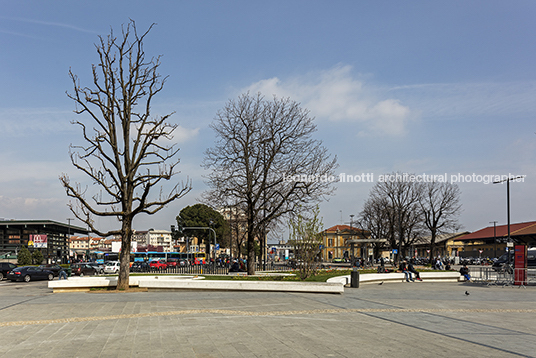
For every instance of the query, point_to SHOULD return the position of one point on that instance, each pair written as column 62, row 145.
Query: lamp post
column 352, row 245
column 508, row 180
column 68, row 235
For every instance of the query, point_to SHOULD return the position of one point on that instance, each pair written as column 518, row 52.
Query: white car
column 112, row 267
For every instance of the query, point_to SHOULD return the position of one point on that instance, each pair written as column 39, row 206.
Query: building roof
column 55, row 225
column 338, row 228
column 501, row 231
column 440, row 238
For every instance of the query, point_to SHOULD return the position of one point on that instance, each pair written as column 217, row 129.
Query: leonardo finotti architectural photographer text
column 404, row 177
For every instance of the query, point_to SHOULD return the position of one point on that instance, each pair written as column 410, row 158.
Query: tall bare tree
column 126, row 152
column 266, row 160
column 394, row 208
column 375, row 219
column 440, row 205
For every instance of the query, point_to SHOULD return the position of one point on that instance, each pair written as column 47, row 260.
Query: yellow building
column 341, row 240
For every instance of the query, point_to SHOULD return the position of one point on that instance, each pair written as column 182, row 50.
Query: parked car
column 183, row 263
column 112, row 267
column 98, row 267
column 172, row 263
column 158, row 265
column 83, row 269
column 5, row 267
column 140, row 267
column 54, row 268
column 30, row 273
column 337, row 260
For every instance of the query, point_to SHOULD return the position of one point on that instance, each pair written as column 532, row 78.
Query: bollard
column 354, row 278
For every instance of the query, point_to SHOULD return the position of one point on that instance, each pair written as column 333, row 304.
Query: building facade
column 343, row 242
column 50, row 237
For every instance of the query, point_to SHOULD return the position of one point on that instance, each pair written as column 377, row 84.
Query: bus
column 101, row 257
column 194, row 257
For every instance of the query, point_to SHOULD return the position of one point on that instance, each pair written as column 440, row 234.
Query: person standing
column 382, row 264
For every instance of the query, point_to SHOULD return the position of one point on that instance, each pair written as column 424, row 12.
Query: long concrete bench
column 240, row 285
column 447, row 276
column 84, row 284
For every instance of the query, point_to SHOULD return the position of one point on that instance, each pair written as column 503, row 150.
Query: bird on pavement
column 467, row 293
column 381, row 283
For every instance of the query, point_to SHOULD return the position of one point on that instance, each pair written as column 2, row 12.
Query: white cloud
column 336, row 95
column 24, row 121
column 182, row 134
column 49, row 23
column 469, row 100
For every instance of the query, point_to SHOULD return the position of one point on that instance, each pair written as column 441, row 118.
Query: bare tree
column 393, row 209
column 125, row 153
column 440, row 205
column 266, row 160
column 375, row 219
column 306, row 235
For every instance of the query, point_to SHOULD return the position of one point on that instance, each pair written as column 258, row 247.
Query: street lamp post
column 68, row 235
column 352, row 245
column 508, row 180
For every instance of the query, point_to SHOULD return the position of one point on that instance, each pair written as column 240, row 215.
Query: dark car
column 99, row 268
column 54, row 268
column 140, row 267
column 30, row 273
column 83, row 270
column 5, row 267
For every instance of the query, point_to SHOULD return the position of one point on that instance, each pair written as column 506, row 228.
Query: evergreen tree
column 37, row 257
column 24, row 257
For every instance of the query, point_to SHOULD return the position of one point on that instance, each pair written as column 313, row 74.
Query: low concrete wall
column 447, row 276
column 239, row 285
column 84, row 284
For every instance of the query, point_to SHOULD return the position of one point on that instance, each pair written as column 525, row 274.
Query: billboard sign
column 39, row 241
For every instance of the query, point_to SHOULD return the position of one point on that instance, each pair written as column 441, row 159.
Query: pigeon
column 381, row 283
column 467, row 293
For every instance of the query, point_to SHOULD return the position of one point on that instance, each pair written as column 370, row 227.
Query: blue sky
column 429, row 87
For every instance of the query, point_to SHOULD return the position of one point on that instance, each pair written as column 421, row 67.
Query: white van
column 112, row 267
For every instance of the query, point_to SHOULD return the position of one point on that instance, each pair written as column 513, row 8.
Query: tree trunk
column 124, row 257
column 251, row 248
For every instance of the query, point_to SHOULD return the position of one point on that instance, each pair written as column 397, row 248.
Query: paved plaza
column 389, row 320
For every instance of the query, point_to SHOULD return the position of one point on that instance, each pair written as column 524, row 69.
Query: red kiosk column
column 520, row 265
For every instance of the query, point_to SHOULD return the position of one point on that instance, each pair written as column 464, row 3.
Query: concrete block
column 228, row 285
